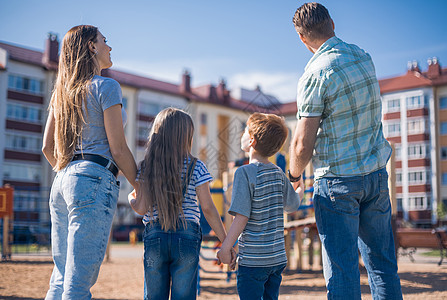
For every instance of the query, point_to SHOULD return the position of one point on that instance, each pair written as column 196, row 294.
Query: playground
column 26, row 277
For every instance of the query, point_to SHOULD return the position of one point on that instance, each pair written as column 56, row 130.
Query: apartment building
column 415, row 121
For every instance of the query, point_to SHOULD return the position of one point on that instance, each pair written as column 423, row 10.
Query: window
column 203, row 119
column 418, row 151
column 399, row 204
column 399, row 177
column 23, row 112
column 444, row 178
column 415, row 102
column 417, row 126
column 443, row 103
column 393, row 129
column 148, row 109
column 419, row 177
column 25, row 84
column 143, row 131
column 443, row 127
column 444, row 153
column 22, row 142
column 397, row 152
column 393, row 105
column 22, row 172
column 420, row 203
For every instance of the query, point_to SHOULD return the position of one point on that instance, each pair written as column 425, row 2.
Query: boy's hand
column 300, row 188
column 224, row 256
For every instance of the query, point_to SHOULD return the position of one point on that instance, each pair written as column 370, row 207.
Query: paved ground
column 26, row 277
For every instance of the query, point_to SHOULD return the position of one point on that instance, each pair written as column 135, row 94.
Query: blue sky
column 246, row 42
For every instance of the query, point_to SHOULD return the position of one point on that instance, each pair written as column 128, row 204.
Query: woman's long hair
column 168, row 146
column 77, row 67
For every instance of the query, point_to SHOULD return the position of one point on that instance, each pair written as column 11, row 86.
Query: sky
column 245, row 42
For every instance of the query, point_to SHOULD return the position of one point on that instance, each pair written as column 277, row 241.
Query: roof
column 21, row 54
column 412, row 80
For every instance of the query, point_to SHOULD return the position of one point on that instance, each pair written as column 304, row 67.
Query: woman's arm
column 113, row 123
column 48, row 140
column 210, row 211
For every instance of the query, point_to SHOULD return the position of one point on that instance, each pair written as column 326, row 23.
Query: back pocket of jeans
column 152, row 248
column 82, row 188
column 345, row 196
column 189, row 249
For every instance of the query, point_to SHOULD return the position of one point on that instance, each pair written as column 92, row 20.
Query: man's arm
column 302, row 146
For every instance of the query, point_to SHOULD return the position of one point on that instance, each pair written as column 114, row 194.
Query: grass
column 432, row 253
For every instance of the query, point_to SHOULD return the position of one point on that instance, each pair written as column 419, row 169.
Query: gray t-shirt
column 105, row 92
column 262, row 192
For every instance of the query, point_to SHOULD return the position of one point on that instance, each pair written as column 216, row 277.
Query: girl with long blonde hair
column 171, row 180
column 84, row 142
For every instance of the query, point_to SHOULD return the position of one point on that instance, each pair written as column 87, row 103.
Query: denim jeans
column 354, row 213
column 255, row 283
column 171, row 261
column 82, row 204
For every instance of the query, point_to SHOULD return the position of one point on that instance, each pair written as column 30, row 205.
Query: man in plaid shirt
column 339, row 127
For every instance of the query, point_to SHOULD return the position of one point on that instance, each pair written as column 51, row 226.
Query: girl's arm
column 113, row 123
column 48, row 140
column 210, row 211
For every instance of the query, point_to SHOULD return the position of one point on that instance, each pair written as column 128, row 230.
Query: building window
column 444, row 153
column 203, row 119
column 399, row 178
column 415, row 102
column 444, row 178
column 393, row 129
column 22, row 142
column 397, row 152
column 148, row 109
column 417, row 126
column 399, row 204
column 21, row 172
column 443, row 103
column 418, row 151
column 443, row 127
column 419, row 177
column 393, row 105
column 25, row 84
column 22, row 112
column 144, row 130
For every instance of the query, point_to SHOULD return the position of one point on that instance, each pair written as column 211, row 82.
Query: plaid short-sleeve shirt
column 340, row 85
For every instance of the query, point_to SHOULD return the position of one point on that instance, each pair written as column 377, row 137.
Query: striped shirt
column 262, row 192
column 339, row 85
column 190, row 205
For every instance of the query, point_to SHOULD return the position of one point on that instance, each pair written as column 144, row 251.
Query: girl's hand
column 224, row 256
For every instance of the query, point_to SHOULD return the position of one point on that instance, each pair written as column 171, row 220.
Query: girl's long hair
column 168, row 146
column 77, row 67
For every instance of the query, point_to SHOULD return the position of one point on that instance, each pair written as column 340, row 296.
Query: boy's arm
column 238, row 225
column 210, row 211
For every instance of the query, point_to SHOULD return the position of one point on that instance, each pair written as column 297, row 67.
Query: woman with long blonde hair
column 171, row 180
column 84, row 143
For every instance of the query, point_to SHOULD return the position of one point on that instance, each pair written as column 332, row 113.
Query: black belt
column 106, row 163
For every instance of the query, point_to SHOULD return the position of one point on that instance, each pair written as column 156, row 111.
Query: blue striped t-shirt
column 190, row 205
column 262, row 193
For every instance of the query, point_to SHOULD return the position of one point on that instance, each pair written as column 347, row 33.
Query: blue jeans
column 171, row 261
column 255, row 283
column 82, row 204
column 354, row 213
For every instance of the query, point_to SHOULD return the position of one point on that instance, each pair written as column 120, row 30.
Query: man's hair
column 270, row 132
column 313, row 21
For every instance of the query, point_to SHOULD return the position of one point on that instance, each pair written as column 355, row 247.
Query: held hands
column 299, row 187
column 227, row 256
